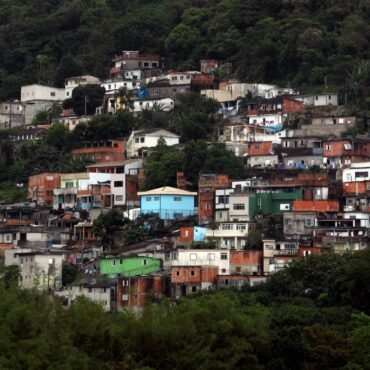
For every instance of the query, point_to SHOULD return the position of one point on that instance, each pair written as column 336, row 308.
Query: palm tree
column 357, row 80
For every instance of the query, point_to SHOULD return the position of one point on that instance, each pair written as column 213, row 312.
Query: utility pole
column 85, row 103
column 82, row 245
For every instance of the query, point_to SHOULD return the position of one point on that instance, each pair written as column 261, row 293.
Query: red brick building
column 192, row 279
column 260, row 148
column 292, row 106
column 207, row 185
column 138, row 291
column 101, row 151
column 246, row 262
column 41, row 186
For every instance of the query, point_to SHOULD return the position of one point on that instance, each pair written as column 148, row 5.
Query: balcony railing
column 286, row 252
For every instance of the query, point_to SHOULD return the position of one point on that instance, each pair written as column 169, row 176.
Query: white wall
column 40, row 92
column 166, row 104
column 266, row 119
column 42, row 271
column 98, row 295
column 203, row 257
column 112, row 86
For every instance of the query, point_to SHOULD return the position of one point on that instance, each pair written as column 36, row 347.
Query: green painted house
column 129, row 266
column 267, row 200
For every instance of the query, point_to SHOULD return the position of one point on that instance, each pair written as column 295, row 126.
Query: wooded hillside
column 286, row 41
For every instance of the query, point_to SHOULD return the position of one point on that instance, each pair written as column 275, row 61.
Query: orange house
column 260, row 148
column 137, row 291
column 101, row 151
column 192, row 279
column 207, row 185
column 41, row 186
column 246, row 262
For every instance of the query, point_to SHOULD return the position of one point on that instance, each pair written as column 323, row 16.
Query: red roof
column 316, row 206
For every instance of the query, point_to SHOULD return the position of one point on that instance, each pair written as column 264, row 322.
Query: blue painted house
column 167, row 202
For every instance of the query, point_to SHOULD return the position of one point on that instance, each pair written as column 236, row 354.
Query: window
column 328, row 147
column 118, row 184
column 113, row 262
column 211, row 256
column 361, row 174
column 90, row 290
column 308, row 222
column 241, row 226
column 142, row 139
column 67, row 93
column 239, row 206
column 226, row 281
column 224, row 256
column 285, row 207
column 177, row 199
column 223, row 271
column 306, row 253
column 317, row 98
column 290, row 246
column 52, row 93
column 207, row 207
column 227, row 227
column 193, row 256
column 192, row 273
column 144, row 262
column 223, row 199
column 119, row 198
column 69, row 185
column 124, row 297
column 256, row 146
column 120, row 261
column 125, row 282
column 156, row 199
column 136, row 140
column 177, row 273
column 148, row 199
column 193, row 289
column 181, row 77
column 177, row 214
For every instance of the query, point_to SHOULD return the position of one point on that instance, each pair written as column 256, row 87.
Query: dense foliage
column 313, row 315
column 295, row 41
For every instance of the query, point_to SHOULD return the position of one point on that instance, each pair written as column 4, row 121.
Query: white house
column 148, row 139
column 41, row 92
column 179, row 78
column 166, row 104
column 229, row 234
column 42, row 271
column 72, row 82
column 112, row 86
column 318, row 100
column 203, row 257
column 102, row 293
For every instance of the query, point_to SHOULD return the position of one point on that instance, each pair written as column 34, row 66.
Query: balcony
column 286, row 252
column 64, row 191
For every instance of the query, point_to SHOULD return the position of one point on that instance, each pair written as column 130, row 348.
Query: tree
column 162, row 166
column 58, row 136
column 106, row 225
column 221, row 160
column 85, row 99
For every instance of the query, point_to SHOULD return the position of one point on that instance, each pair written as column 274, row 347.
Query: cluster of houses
column 308, row 174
